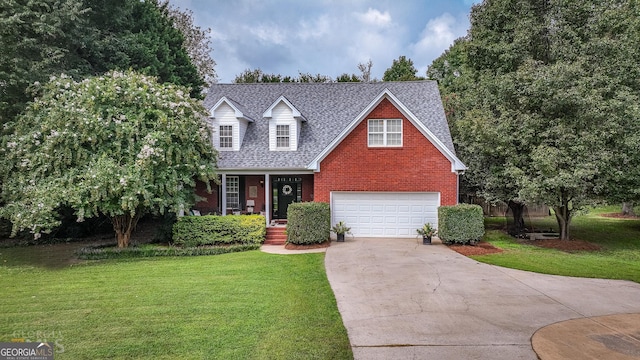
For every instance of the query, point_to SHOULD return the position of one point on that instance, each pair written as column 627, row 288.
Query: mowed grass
column 618, row 259
column 247, row 305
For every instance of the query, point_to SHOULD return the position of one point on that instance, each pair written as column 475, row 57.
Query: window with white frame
column 226, row 136
column 385, row 132
column 282, row 136
column 233, row 192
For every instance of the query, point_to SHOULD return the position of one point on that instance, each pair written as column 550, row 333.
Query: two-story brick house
column 380, row 154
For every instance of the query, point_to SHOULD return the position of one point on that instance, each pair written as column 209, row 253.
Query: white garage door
column 384, row 214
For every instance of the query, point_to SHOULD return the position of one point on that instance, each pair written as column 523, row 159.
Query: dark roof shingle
column 328, row 108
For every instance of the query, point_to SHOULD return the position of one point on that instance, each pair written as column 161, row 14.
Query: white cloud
column 326, row 36
column 315, row 28
column 375, row 18
column 438, row 34
column 269, row 33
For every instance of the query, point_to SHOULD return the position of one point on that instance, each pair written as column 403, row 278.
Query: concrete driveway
column 400, row 299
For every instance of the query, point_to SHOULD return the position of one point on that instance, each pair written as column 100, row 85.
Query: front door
column 287, row 193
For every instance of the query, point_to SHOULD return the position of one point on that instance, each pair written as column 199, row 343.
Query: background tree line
column 402, row 69
column 542, row 97
column 90, row 37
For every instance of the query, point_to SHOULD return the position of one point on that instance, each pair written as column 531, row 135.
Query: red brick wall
column 307, row 187
column 254, row 180
column 417, row 166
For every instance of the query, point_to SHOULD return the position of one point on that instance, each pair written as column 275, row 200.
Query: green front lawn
column 618, row 259
column 247, row 305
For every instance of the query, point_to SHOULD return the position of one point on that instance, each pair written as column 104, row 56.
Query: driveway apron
column 400, row 299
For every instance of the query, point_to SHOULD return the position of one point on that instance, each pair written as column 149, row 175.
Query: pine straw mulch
column 484, row 248
column 618, row 215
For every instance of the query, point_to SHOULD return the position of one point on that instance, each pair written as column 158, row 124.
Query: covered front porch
column 268, row 194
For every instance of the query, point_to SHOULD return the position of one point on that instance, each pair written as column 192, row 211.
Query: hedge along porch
column 284, row 143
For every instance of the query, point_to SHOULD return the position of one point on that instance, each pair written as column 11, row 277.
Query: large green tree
column 119, row 145
column 548, row 99
column 197, row 42
column 36, row 40
column 81, row 38
column 401, row 69
column 476, row 133
column 140, row 35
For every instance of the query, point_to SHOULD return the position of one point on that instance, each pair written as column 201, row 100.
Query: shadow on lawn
column 50, row 256
column 61, row 255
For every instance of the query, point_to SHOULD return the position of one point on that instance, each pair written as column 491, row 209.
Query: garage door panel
column 391, row 208
column 364, row 219
column 371, row 214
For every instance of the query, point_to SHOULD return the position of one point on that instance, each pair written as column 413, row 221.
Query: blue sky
column 328, row 37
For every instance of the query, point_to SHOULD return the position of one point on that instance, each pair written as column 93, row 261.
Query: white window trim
column 220, row 137
column 234, row 181
column 384, row 134
column 288, row 127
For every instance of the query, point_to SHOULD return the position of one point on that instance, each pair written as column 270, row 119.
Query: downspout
column 457, row 188
column 458, row 174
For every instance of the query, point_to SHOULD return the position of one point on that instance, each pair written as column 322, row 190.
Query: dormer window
column 285, row 125
column 229, row 120
column 282, row 136
column 226, row 136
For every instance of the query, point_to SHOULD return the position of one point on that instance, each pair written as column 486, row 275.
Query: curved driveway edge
column 612, row 337
column 401, row 299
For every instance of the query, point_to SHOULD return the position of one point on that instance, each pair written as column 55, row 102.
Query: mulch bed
column 482, row 248
column 290, row 246
column 620, row 216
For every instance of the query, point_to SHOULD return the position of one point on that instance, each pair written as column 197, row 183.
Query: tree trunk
column 123, row 225
column 563, row 217
column 517, row 210
column 627, row 208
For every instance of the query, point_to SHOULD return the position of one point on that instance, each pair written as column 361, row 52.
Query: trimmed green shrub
column 462, row 223
column 112, row 252
column 190, row 231
column 308, row 223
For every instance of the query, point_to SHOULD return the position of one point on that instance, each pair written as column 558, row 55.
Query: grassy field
column 248, row 305
column 618, row 259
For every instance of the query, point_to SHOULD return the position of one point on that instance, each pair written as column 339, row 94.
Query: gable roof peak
column 237, row 108
column 283, row 99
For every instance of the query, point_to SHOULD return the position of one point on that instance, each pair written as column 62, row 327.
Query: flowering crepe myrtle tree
column 121, row 145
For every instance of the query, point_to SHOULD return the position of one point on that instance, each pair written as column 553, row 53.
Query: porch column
column 267, row 198
column 223, row 195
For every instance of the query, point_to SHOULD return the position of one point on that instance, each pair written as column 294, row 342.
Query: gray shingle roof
column 328, row 108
